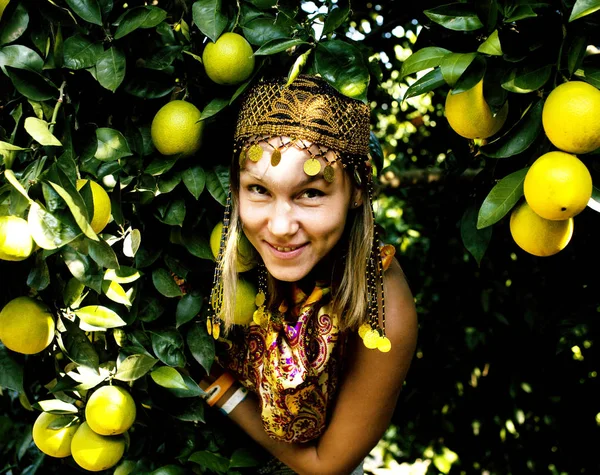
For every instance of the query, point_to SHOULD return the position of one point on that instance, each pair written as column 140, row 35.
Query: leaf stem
column 57, row 106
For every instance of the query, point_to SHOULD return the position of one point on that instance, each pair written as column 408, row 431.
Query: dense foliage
column 503, row 380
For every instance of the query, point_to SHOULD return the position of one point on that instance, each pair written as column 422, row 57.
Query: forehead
column 285, row 160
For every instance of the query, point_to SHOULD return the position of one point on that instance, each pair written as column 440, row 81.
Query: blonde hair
column 349, row 295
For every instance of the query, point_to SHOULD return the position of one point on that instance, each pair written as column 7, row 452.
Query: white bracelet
column 234, row 400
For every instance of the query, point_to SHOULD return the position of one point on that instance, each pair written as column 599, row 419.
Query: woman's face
column 292, row 219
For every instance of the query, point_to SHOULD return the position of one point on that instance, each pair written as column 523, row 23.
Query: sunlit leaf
column 428, row 82
column 454, row 64
column 525, row 80
column 583, row 8
column 425, row 58
column 134, row 367
column 112, row 145
column 139, row 17
column 38, row 129
column 122, row 275
column 491, row 45
column 455, row 16
column 132, row 242
column 56, row 406
column 99, row 316
column 47, row 230
column 501, row 199
column 168, row 377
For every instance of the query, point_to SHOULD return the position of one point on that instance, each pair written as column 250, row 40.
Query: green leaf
column 491, row 45
column 168, row 377
column 454, row 64
column 190, row 410
column 99, row 316
column 503, row 196
column 78, row 347
column 197, row 245
column 20, row 57
column 82, row 267
column 87, row 10
column 161, row 165
column 278, row 45
column 140, row 17
column 149, row 84
column 38, row 129
column 583, row 8
column 112, row 145
column 168, row 347
column 210, row 461
column 455, row 16
column 134, row 367
column 216, row 105
column 191, row 390
column 576, row 53
column 209, row 18
column 520, row 12
column 110, row 69
column 81, row 53
column 243, row 458
column 201, row 345
column 475, row 240
column 73, row 293
column 77, row 207
column 163, row 58
column 217, row 183
column 103, row 254
column 590, row 75
column 335, row 18
column 32, row 85
column 430, row 81
column 263, row 30
column 11, row 376
column 15, row 25
column 47, row 230
column 165, row 283
column 520, row 136
column 39, row 275
column 194, row 180
column 187, row 308
column 12, row 179
column 527, row 79
column 594, row 202
column 342, row 65
column 171, row 213
column 425, row 58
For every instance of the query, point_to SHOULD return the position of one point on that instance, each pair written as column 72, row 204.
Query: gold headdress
column 308, row 110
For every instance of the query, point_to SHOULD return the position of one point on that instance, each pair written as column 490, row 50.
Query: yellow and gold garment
column 292, row 364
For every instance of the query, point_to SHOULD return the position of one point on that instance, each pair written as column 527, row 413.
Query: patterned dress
column 292, row 363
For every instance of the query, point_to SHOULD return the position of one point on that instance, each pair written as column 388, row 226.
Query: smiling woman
column 326, row 355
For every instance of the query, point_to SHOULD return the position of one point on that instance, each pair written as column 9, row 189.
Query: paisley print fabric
column 291, row 363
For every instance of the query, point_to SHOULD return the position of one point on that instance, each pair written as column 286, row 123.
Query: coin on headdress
column 216, row 331
column 312, row 166
column 260, row 298
column 275, row 157
column 255, row 152
column 242, row 158
column 329, row 174
column 209, row 326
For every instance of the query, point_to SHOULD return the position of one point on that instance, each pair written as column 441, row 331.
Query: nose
column 283, row 221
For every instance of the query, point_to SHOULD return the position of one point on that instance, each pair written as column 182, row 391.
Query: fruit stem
column 57, row 106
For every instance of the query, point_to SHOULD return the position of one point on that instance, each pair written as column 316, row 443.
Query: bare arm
column 366, row 399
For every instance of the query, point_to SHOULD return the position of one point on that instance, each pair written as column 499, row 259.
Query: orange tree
column 522, row 82
column 106, row 221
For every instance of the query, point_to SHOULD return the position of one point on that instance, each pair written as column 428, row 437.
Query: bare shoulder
column 400, row 312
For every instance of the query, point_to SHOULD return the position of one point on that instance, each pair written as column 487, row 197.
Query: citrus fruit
column 230, row 60
column 245, row 296
column 16, row 243
column 245, row 259
column 96, row 452
column 571, row 117
column 110, row 410
column 51, row 441
column 26, row 326
column 101, row 203
column 536, row 235
column 177, row 129
column 558, row 186
column 470, row 116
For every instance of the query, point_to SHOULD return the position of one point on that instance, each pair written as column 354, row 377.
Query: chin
column 287, row 275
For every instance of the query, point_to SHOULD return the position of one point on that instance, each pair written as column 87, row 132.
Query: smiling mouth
column 285, row 248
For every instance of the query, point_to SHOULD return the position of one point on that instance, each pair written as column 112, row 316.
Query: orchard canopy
column 486, row 131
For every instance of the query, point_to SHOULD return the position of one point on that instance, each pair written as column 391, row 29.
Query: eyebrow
column 309, row 179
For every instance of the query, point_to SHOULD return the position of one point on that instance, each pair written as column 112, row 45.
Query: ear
column 357, row 198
